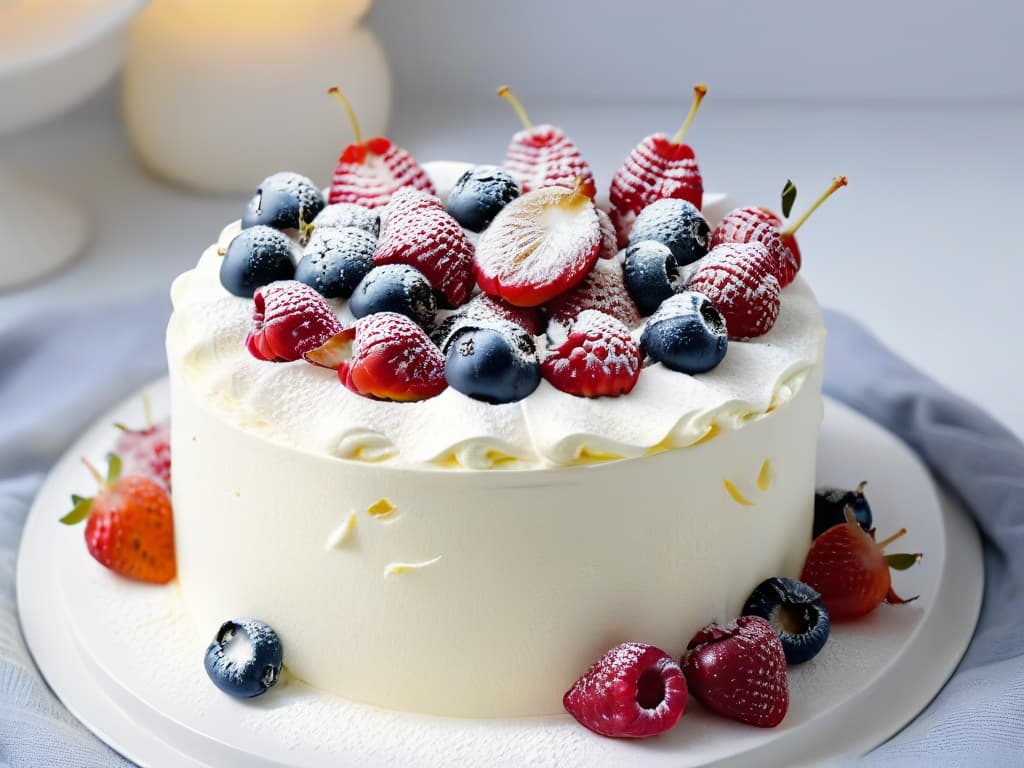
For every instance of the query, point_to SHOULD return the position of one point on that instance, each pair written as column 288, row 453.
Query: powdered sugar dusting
column 372, row 182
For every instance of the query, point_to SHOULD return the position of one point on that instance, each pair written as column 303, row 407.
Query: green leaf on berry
column 113, row 468
column 903, row 560
column 80, row 511
column 788, row 197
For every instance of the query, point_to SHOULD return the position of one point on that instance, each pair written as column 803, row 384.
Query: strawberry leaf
column 113, row 468
column 788, row 197
column 80, row 511
column 903, row 560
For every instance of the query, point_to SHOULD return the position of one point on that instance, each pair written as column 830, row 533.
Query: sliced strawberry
column 741, row 281
column 604, row 289
column 600, row 358
column 416, row 230
column 633, row 691
column 146, row 451
column 289, row 319
column 538, row 246
column 739, row 671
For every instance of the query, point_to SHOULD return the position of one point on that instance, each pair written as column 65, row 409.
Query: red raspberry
column 146, row 451
column 603, row 289
column 483, row 306
column 739, row 671
column 609, row 240
column 289, row 319
column 755, row 224
column 739, row 279
column 416, row 230
column 600, row 357
column 633, row 691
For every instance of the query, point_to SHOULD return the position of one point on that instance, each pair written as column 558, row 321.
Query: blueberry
column 335, row 260
column 244, row 659
column 494, row 364
column 341, row 215
column 279, row 201
column 479, row 194
column 796, row 613
column 676, row 224
column 257, row 256
column 650, row 270
column 686, row 334
column 395, row 288
column 829, row 504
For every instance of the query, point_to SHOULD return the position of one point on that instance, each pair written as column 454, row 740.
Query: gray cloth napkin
column 57, row 372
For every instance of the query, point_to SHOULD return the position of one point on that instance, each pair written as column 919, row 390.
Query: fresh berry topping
column 650, row 272
column 146, row 452
column 675, row 223
column 369, row 173
column 130, row 527
column 830, row 503
column 542, row 155
column 600, row 357
column 686, row 334
column 740, row 280
column 484, row 311
column 417, row 231
column 385, row 356
column 609, row 240
column 342, row 215
column 395, row 288
column 284, row 201
column 851, row 571
column 493, row 364
column 633, row 691
column 479, row 194
column 244, row 659
column 540, row 245
column 657, row 168
column 796, row 613
column 335, row 260
column 289, row 318
column 603, row 289
column 255, row 257
column 739, row 671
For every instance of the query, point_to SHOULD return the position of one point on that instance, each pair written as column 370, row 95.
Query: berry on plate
column 146, row 451
column 540, row 245
column 797, row 614
column 674, row 223
column 739, row 671
column 370, row 172
column 284, row 201
column 830, row 508
column 130, row 527
column 600, row 358
column 686, row 334
column 494, row 362
column 342, row 215
column 244, row 659
column 395, row 288
column 651, row 272
column 416, row 230
column 851, row 570
column 658, row 167
column 741, row 281
column 255, row 257
column 479, row 194
column 542, row 155
column 335, row 260
column 604, row 289
column 289, row 318
column 633, row 691
column 385, row 356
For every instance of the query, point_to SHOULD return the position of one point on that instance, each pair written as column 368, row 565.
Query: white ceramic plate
column 126, row 660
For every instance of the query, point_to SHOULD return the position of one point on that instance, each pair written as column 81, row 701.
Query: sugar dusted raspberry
column 604, row 289
column 599, row 358
column 289, row 319
column 609, row 240
column 146, row 451
column 739, row 279
column 754, row 224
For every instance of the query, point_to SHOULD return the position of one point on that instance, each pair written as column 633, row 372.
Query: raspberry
column 147, row 451
column 289, row 319
column 739, row 279
column 603, row 289
column 754, row 224
column 600, row 357
column 609, row 240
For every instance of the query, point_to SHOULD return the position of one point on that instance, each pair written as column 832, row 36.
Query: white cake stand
column 126, row 660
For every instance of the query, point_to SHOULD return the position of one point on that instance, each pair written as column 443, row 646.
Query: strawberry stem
column 792, row 228
column 861, row 486
column 335, row 91
column 886, row 542
column 517, row 105
column 700, row 90
column 94, row 472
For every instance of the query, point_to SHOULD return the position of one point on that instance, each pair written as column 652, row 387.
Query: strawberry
column 633, row 691
column 609, row 240
column 658, row 167
column 603, row 289
column 130, row 528
column 739, row 671
column 146, row 451
column 289, row 318
column 851, row 571
column 741, row 281
column 600, row 357
column 416, row 230
column 370, row 172
column 385, row 356
column 538, row 246
column 542, row 155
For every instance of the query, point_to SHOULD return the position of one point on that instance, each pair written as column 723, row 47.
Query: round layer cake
column 454, row 557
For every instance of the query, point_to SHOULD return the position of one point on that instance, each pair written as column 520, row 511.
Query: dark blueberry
column 686, row 334
column 341, row 215
column 796, row 613
column 335, row 260
column 676, row 224
column 651, row 270
column 829, row 504
column 257, row 256
column 281, row 200
column 395, row 288
column 244, row 659
column 496, row 365
column 479, row 194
